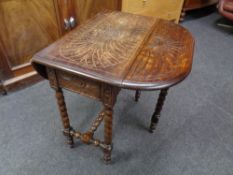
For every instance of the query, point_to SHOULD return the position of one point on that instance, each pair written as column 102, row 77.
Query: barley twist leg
column 158, row 109
column 108, row 133
column 64, row 116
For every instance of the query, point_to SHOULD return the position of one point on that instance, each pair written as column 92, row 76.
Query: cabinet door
column 169, row 9
column 26, row 27
column 85, row 9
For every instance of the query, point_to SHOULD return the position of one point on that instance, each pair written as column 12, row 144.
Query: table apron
column 93, row 89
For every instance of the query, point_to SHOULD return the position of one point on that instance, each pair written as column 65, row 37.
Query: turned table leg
column 108, row 113
column 137, row 95
column 108, row 97
column 64, row 116
column 158, row 109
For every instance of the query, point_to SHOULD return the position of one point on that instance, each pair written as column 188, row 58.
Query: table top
column 122, row 49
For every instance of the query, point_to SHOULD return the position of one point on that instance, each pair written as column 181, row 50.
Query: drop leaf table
column 110, row 52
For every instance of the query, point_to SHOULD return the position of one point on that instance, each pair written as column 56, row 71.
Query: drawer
column 80, row 85
column 169, row 9
column 75, row 83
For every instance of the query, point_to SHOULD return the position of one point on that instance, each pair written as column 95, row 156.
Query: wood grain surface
column 103, row 49
column 164, row 60
column 26, row 27
column 169, row 9
column 86, row 9
column 126, row 50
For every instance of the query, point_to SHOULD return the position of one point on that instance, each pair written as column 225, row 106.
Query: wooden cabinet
column 85, row 9
column 27, row 26
column 169, row 9
column 196, row 4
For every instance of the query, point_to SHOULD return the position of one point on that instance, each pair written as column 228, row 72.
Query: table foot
column 107, row 158
column 158, row 109
column 70, row 139
column 154, row 123
column 107, row 154
column 137, row 95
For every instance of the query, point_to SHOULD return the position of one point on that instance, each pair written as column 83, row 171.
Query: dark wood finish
column 5, row 71
column 158, row 109
column 23, row 76
column 39, row 24
column 26, row 27
column 108, row 132
column 103, row 55
column 137, row 95
column 155, row 67
column 109, row 95
column 105, row 93
column 20, row 82
column 195, row 4
column 2, row 88
column 22, row 69
column 23, row 23
column 111, row 51
column 64, row 115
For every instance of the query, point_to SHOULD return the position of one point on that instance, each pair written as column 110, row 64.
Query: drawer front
column 74, row 83
column 80, row 85
column 169, row 9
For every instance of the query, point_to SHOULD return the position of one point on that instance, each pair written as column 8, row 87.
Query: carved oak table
column 111, row 51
